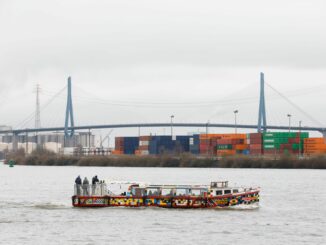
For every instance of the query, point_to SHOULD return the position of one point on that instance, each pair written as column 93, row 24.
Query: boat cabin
column 168, row 190
column 221, row 188
column 220, row 184
column 218, row 188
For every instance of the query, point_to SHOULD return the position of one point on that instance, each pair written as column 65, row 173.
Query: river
column 35, row 208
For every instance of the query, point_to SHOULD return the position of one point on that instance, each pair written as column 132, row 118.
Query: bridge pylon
column 69, row 113
column 262, row 123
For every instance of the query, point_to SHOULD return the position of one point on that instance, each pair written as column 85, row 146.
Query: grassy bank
column 45, row 158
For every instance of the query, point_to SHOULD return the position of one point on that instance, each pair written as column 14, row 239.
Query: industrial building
column 54, row 142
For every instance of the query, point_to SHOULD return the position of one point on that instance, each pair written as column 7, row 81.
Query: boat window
column 195, row 192
column 227, row 192
column 167, row 192
column 138, row 191
column 152, row 192
column 218, row 193
column 235, row 191
column 181, row 192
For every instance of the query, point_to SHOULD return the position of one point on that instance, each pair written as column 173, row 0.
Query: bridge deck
column 152, row 125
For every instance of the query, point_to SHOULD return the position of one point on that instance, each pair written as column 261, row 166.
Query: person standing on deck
column 85, row 187
column 78, row 183
column 95, row 180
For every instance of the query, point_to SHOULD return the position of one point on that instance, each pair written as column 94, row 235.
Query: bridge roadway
column 153, row 125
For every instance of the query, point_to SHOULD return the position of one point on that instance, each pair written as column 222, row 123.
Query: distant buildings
column 54, row 141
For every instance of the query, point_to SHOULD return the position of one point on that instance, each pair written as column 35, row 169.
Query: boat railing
column 98, row 189
column 78, row 190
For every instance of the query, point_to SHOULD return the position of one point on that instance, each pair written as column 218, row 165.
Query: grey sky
column 161, row 51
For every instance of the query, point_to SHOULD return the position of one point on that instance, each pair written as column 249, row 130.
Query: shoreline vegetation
column 47, row 158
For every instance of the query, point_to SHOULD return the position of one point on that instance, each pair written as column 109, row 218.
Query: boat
column 216, row 195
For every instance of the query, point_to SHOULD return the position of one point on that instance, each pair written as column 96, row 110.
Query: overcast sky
column 132, row 61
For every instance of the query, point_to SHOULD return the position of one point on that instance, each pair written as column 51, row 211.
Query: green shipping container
column 224, row 147
column 297, row 147
column 276, row 141
column 304, row 135
column 271, row 146
column 285, row 135
column 270, row 135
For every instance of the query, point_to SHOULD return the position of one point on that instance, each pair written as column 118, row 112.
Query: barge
column 216, row 195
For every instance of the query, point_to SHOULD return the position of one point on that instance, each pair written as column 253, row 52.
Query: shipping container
column 241, row 147
column 222, row 153
column 314, row 141
column 161, row 144
column 115, row 152
column 285, row 135
column 145, row 138
column 182, row 143
column 224, row 147
column 212, row 144
column 130, row 144
column 194, row 142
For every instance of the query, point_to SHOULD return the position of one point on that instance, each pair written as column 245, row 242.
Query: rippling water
column 35, row 208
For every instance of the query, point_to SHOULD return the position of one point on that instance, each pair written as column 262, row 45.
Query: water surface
column 35, row 208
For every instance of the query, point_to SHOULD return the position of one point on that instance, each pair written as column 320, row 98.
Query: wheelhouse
column 222, row 188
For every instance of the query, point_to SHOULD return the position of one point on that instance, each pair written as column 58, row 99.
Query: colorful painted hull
column 247, row 198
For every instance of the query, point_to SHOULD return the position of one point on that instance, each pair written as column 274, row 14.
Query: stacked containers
column 143, row 148
column 130, row 145
column 161, row 144
column 194, row 143
column 205, row 146
column 255, row 143
column 207, row 143
column 313, row 146
column 119, row 146
column 231, row 144
column 225, row 147
column 181, row 144
column 223, row 144
column 283, row 142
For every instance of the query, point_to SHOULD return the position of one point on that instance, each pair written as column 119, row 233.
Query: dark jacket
column 78, row 181
column 95, row 180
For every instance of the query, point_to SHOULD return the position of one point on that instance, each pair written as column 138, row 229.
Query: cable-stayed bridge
column 159, row 125
column 69, row 126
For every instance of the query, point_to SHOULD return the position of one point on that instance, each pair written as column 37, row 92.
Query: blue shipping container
column 130, row 144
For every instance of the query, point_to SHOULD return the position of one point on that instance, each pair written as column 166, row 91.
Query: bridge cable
column 294, row 105
column 32, row 115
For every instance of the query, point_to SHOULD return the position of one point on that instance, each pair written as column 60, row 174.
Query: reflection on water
column 35, row 208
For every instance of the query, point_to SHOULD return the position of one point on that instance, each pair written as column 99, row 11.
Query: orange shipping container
column 137, row 152
column 315, row 146
column 241, row 147
column 222, row 136
column 314, row 141
column 315, row 152
column 115, row 152
column 225, row 152
column 233, row 136
column 209, row 136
